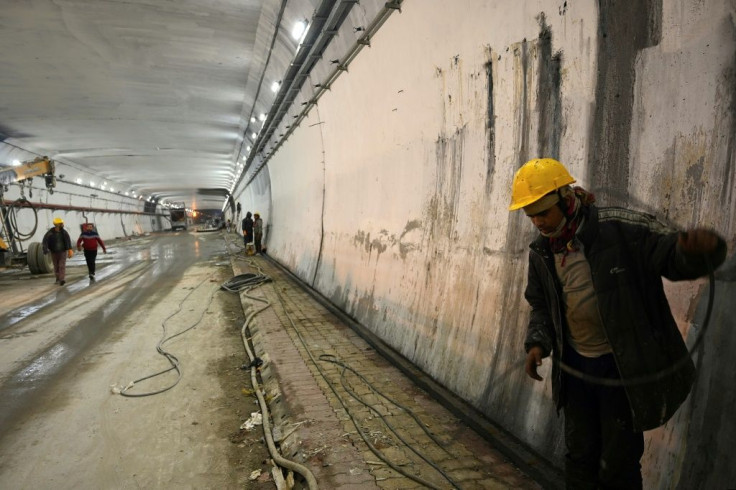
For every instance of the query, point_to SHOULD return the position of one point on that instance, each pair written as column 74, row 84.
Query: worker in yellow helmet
column 599, row 308
column 58, row 242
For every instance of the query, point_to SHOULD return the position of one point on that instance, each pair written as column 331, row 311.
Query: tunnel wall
column 391, row 199
column 115, row 215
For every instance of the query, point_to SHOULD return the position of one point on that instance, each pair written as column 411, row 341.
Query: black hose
column 663, row 373
column 13, row 220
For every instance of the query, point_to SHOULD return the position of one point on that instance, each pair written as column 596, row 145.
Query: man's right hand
column 533, row 361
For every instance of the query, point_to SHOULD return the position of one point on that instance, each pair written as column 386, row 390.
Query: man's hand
column 79, row 249
column 698, row 241
column 69, row 253
column 533, row 361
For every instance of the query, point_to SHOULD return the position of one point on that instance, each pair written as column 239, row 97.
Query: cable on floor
column 357, row 425
column 172, row 359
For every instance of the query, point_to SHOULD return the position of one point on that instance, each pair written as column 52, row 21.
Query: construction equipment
column 11, row 238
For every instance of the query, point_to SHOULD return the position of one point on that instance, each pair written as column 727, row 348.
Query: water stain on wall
column 549, row 106
column 624, row 30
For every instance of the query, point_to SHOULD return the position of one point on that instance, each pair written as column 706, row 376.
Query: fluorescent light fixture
column 254, row 135
column 300, row 27
column 262, row 116
column 275, row 87
column 91, row 184
column 252, row 119
column 16, row 163
column 79, row 181
column 247, row 149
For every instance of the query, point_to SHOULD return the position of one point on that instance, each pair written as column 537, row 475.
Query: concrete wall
column 391, row 199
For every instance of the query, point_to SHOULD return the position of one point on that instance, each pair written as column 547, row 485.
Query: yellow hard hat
column 535, row 179
column 58, row 221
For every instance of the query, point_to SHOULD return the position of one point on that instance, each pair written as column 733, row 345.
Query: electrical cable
column 332, row 359
column 373, row 449
column 173, row 360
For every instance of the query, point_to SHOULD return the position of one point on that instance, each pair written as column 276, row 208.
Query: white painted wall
column 396, row 169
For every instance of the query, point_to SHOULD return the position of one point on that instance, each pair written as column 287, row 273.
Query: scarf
column 562, row 240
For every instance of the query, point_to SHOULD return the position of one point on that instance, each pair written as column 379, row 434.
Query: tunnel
column 302, row 209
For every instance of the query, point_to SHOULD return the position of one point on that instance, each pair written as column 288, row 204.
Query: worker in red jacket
column 90, row 239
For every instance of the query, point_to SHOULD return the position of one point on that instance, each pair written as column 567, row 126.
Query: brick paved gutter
column 320, row 409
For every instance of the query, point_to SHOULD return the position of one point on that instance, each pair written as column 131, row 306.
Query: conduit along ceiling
column 172, row 99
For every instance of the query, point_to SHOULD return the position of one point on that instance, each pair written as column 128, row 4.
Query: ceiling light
column 254, row 135
column 91, row 184
column 247, row 149
column 275, row 86
column 300, row 27
column 262, row 116
column 16, row 163
column 252, row 119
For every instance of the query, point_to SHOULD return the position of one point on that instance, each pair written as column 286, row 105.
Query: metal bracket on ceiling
column 395, row 4
column 365, row 40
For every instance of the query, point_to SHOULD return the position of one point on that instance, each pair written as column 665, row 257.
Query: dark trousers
column 59, row 261
column 90, row 256
column 603, row 451
column 257, row 240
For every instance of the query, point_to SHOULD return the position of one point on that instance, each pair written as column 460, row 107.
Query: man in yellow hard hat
column 599, row 308
column 59, row 243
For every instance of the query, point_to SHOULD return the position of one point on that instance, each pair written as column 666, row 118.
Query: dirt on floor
column 78, row 433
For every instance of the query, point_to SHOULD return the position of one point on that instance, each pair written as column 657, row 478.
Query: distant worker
column 598, row 305
column 229, row 225
column 90, row 239
column 247, row 229
column 59, row 243
column 257, row 232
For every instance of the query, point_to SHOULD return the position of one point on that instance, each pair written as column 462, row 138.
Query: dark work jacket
column 56, row 241
column 248, row 227
column 628, row 254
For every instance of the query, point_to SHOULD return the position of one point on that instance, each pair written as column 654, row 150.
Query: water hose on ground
column 246, row 282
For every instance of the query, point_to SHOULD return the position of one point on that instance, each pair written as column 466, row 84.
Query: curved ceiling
column 166, row 97
column 149, row 93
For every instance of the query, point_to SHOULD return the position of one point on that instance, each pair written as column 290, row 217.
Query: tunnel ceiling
column 153, row 95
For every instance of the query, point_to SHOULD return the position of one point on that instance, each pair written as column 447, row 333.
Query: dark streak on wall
column 729, row 182
column 624, row 29
column 500, row 389
column 523, row 115
column 548, row 101
column 490, row 131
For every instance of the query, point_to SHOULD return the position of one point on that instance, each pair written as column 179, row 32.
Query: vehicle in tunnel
column 178, row 218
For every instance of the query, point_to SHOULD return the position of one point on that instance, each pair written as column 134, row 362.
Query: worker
column 257, row 232
column 247, row 226
column 90, row 239
column 59, row 244
column 599, row 308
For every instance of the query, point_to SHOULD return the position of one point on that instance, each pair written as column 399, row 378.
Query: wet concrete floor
column 339, row 407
